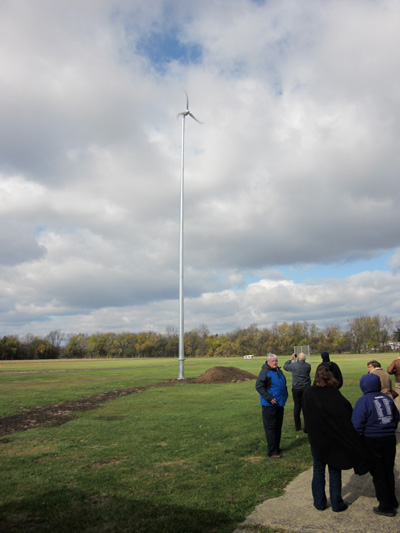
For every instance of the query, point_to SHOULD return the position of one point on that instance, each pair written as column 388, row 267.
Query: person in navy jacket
column 271, row 386
column 375, row 417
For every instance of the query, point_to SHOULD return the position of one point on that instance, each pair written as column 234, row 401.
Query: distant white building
column 248, row 357
column 394, row 345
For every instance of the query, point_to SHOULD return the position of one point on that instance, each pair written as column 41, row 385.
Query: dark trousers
column 382, row 454
column 297, row 396
column 318, row 486
column 272, row 417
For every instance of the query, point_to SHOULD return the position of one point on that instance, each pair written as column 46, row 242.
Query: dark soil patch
column 60, row 413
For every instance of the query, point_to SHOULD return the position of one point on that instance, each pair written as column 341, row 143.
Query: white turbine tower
column 181, row 358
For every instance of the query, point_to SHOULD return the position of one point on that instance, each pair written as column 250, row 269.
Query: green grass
column 38, row 383
column 189, row 458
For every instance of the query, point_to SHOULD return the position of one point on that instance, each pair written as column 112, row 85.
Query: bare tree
column 56, row 339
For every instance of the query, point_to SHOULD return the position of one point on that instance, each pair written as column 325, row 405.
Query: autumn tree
column 128, row 344
column 172, row 342
column 381, row 330
column 148, row 344
column 77, row 346
column 219, row 346
column 361, row 332
column 10, row 348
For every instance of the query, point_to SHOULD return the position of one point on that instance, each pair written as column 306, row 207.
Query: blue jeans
column 318, row 486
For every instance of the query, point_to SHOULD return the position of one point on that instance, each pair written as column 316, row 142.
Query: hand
column 292, row 357
column 273, row 401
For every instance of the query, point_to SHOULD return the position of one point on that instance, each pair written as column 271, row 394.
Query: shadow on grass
column 297, row 442
column 69, row 510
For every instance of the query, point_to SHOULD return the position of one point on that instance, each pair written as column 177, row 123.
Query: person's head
column 272, row 360
column 324, row 378
column 370, row 383
column 325, row 357
column 371, row 365
column 301, row 357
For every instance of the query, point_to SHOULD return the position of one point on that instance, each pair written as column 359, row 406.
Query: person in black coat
column 332, row 367
column 333, row 440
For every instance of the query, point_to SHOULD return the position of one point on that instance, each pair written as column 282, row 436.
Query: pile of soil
column 60, row 413
column 220, row 374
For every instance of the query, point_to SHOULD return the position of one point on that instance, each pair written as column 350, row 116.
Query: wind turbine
column 181, row 358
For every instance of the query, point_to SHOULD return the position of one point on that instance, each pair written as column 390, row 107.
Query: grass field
column 187, row 458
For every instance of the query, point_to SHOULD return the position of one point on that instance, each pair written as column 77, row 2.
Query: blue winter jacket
column 375, row 414
column 271, row 383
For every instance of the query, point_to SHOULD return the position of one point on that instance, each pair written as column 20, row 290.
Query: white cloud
column 296, row 162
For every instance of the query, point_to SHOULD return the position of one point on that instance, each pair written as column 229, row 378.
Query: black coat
column 334, row 368
column 327, row 418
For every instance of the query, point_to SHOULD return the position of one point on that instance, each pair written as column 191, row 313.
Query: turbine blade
column 193, row 117
column 187, row 101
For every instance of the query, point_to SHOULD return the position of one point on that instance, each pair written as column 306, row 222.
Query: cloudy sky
column 292, row 197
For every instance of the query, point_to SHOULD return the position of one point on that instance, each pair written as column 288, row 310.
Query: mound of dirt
column 221, row 374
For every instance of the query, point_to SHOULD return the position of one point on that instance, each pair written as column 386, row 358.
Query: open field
column 185, row 457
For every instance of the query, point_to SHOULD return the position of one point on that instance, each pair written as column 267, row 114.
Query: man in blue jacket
column 375, row 417
column 271, row 386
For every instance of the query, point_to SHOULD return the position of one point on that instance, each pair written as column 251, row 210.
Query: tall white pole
column 181, row 357
column 181, row 293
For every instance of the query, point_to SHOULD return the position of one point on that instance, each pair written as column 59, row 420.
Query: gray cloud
column 18, row 244
column 296, row 163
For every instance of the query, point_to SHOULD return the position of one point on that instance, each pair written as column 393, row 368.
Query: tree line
column 363, row 334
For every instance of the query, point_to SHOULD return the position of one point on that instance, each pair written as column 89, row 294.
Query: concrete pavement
column 294, row 511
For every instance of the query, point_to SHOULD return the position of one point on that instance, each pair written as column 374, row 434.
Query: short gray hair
column 271, row 356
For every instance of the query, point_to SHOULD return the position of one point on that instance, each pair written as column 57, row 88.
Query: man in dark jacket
column 300, row 371
column 271, row 386
column 375, row 417
column 332, row 367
